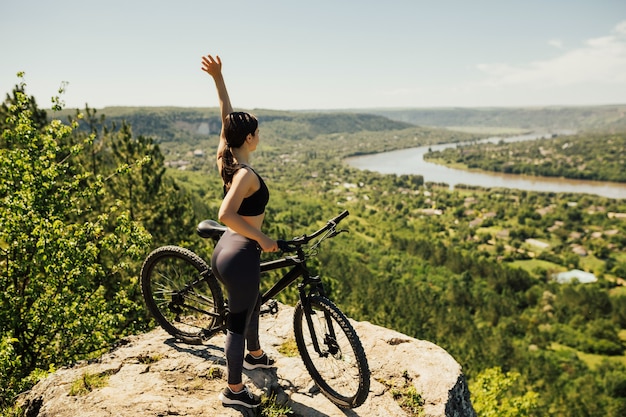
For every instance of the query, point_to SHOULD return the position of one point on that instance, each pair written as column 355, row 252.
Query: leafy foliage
column 70, row 238
column 64, row 281
column 492, row 395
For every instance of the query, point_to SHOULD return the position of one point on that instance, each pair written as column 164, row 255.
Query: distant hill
column 588, row 118
column 186, row 135
column 167, row 123
column 170, row 123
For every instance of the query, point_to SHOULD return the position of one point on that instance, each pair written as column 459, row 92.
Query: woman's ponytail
column 237, row 127
column 228, row 165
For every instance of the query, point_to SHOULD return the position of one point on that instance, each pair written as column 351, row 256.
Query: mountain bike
column 186, row 299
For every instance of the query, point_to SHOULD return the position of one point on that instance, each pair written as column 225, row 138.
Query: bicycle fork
column 329, row 338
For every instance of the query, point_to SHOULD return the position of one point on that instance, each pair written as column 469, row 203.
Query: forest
column 86, row 196
column 591, row 156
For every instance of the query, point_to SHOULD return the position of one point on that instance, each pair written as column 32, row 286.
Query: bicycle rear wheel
column 181, row 293
column 340, row 367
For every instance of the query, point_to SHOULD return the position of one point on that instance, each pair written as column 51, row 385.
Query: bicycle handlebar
column 294, row 244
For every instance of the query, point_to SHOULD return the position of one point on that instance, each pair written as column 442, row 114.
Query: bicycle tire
column 177, row 297
column 341, row 372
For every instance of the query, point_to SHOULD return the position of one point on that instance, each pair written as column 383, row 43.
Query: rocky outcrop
column 153, row 375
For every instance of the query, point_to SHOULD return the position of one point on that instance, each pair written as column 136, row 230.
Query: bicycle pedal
column 272, row 307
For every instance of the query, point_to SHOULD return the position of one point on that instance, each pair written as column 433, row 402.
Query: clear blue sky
column 318, row 54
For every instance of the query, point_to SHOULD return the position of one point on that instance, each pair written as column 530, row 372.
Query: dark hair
column 237, row 127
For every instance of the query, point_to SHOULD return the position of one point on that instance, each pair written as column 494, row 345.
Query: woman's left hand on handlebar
column 268, row 245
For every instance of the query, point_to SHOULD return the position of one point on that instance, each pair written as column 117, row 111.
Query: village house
column 575, row 275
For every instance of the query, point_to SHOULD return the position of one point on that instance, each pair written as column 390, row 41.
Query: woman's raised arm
column 213, row 67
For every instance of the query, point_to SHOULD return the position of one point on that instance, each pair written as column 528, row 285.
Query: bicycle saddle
column 210, row 229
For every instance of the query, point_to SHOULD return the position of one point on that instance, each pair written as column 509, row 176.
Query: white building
column 575, row 274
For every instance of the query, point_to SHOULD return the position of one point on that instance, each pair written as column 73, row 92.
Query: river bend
column 411, row 161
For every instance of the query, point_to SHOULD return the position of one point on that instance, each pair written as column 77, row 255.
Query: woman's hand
column 212, row 66
column 268, row 245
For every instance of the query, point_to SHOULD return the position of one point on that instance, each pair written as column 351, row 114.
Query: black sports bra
column 254, row 204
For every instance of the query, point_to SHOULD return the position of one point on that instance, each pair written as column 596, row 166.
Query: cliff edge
column 154, row 375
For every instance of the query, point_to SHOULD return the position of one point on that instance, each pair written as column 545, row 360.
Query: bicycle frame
column 298, row 264
column 299, row 269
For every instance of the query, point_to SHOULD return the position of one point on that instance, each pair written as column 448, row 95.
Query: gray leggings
column 235, row 263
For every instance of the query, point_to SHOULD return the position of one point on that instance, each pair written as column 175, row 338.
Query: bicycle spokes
column 331, row 351
column 180, row 293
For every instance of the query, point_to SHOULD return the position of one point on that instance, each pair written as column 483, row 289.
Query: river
column 411, row 161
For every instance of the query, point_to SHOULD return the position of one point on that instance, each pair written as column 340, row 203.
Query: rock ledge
column 153, row 375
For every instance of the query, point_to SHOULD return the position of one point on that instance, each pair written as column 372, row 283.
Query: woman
column 236, row 258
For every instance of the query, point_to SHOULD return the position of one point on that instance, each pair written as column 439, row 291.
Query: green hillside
column 582, row 118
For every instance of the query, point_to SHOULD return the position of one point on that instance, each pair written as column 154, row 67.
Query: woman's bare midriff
column 254, row 221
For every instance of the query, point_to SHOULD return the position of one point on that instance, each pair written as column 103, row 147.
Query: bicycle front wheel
column 181, row 293
column 332, row 352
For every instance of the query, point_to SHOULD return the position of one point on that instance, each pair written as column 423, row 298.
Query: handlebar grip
column 285, row 247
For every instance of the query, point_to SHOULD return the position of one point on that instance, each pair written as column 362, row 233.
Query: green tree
column 38, row 116
column 164, row 208
column 494, row 393
column 54, row 307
